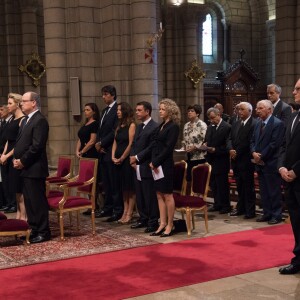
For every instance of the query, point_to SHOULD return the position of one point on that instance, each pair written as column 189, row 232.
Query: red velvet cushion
column 54, row 193
column 2, row 216
column 72, row 201
column 188, row 201
column 56, row 180
column 64, row 166
column 13, row 225
column 199, row 176
column 179, row 170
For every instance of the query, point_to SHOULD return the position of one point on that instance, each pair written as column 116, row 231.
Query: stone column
column 144, row 69
column 57, row 79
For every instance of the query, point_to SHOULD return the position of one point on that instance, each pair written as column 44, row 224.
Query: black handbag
column 179, row 225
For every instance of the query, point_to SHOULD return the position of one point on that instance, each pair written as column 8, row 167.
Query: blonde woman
column 162, row 159
column 15, row 199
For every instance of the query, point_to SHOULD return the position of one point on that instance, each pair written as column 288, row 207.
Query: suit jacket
column 268, row 143
column 219, row 160
column 30, row 147
column 290, row 151
column 141, row 147
column 164, row 144
column 239, row 140
column 282, row 111
column 106, row 131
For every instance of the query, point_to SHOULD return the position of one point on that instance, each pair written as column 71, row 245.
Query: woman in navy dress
column 162, row 157
column 10, row 134
column 120, row 157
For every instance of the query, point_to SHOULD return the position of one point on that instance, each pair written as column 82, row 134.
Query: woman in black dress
column 162, row 162
column 10, row 134
column 120, row 157
column 87, row 134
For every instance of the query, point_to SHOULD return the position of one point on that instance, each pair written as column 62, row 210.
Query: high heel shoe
column 167, row 234
column 127, row 220
column 158, row 233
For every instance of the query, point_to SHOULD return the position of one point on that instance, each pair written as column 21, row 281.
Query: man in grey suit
column 282, row 110
column 289, row 169
column 31, row 158
column 140, row 157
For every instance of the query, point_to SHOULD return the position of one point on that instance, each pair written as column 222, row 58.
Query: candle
column 160, row 25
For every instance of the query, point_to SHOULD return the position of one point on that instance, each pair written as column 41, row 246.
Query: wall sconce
column 155, row 37
column 194, row 73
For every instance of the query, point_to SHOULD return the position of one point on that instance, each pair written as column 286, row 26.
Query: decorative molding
column 34, row 68
column 194, row 73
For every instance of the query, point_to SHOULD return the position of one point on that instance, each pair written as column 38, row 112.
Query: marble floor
column 265, row 284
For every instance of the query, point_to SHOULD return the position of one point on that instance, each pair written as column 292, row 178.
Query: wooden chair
column 179, row 178
column 13, row 227
column 189, row 204
column 85, row 186
column 64, row 171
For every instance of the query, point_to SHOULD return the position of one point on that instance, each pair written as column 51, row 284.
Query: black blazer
column 106, row 131
column 30, row 147
column 141, row 147
column 282, row 111
column 290, row 152
column 219, row 160
column 239, row 140
column 164, row 144
column 268, row 143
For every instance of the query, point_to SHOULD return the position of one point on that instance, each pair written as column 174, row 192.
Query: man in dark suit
column 266, row 141
column 218, row 157
column 140, row 157
column 281, row 110
column 238, row 145
column 113, row 204
column 30, row 157
column 289, row 168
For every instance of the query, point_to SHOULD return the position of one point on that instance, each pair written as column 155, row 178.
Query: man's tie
column 23, row 123
column 241, row 127
column 262, row 127
column 296, row 122
column 105, row 111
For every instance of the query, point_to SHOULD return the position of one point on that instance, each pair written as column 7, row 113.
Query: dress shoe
column 138, row 225
column 102, row 214
column 224, row 211
column 151, row 229
column 167, row 234
column 113, row 218
column 32, row 235
column 247, row 217
column 213, row 208
column 40, row 239
column 11, row 209
column 159, row 233
column 289, row 270
column 3, row 208
column 274, row 221
column 235, row 213
column 263, row 219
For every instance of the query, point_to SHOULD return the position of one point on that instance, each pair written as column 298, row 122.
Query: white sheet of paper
column 138, row 173
column 158, row 175
column 179, row 150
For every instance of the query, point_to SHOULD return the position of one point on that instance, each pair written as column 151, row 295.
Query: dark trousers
column 37, row 209
column 246, row 192
column 220, row 188
column 292, row 199
column 270, row 193
column 113, row 202
column 146, row 201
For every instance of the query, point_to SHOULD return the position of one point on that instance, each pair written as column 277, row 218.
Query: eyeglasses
column 297, row 89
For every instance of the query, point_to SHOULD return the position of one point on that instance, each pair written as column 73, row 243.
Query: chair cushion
column 56, row 180
column 188, row 201
column 2, row 216
column 53, row 193
column 72, row 201
column 13, row 225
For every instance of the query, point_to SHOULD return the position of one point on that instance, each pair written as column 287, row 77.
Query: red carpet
column 144, row 270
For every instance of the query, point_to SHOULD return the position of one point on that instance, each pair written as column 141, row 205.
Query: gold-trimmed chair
column 189, row 204
column 179, row 178
column 84, row 185
column 13, row 227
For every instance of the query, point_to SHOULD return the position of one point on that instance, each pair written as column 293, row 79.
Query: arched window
column 207, row 48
